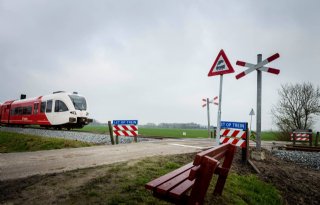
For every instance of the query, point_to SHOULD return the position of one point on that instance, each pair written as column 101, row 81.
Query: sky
column 149, row 60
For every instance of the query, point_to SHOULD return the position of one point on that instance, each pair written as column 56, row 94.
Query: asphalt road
column 20, row 165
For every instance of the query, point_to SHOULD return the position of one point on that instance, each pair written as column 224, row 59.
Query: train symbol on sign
column 219, row 66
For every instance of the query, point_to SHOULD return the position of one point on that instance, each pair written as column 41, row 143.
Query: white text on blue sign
column 125, row 122
column 233, row 125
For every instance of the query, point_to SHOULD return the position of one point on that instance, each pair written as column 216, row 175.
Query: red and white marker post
column 258, row 67
column 220, row 67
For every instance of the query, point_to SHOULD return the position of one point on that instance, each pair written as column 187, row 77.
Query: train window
column 24, row 110
column 19, row 110
column 43, row 107
column 49, row 106
column 16, row 111
column 78, row 102
column 29, row 110
column 60, row 106
column 35, row 109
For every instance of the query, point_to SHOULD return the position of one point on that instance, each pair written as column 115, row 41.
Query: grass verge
column 169, row 133
column 124, row 184
column 15, row 142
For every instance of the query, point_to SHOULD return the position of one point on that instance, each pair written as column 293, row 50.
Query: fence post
column 117, row 139
column 310, row 139
column 317, row 138
column 214, row 133
column 246, row 149
column 111, row 132
column 294, row 138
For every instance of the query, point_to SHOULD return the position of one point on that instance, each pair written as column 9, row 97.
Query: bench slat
column 210, row 152
column 165, row 187
column 181, row 189
column 194, row 172
column 151, row 185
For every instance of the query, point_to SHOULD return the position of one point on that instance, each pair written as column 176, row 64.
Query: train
column 59, row 110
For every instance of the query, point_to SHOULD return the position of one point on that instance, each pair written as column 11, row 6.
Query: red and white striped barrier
column 233, row 136
column 301, row 136
column 125, row 130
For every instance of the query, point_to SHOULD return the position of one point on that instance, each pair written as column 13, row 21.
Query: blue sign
column 233, row 125
column 125, row 122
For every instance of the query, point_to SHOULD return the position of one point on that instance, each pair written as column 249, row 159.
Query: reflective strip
column 125, row 127
column 234, row 141
column 233, row 133
column 127, row 133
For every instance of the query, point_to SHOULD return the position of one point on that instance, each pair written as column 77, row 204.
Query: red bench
column 189, row 184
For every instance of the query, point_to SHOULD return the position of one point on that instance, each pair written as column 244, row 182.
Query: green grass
column 175, row 133
column 170, row 133
column 124, row 184
column 14, row 142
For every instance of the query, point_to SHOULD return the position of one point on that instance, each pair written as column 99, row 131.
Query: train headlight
column 73, row 112
column 72, row 119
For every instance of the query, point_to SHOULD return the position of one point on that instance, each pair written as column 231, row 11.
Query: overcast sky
column 148, row 60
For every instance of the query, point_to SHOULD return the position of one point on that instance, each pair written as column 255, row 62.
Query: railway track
column 302, row 148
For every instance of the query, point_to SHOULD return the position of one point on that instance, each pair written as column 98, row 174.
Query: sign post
column 251, row 113
column 220, row 67
column 258, row 67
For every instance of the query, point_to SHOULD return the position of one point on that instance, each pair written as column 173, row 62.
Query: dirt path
column 20, row 165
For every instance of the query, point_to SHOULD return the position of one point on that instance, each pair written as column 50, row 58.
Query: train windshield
column 78, row 102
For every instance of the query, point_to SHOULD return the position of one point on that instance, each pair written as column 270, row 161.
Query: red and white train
column 58, row 110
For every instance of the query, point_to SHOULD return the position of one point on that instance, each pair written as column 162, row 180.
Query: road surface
column 20, row 165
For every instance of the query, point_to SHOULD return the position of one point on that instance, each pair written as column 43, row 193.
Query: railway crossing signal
column 258, row 67
column 207, row 102
column 220, row 67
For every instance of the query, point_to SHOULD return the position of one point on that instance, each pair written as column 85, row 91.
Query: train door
column 0, row 113
column 6, row 114
column 35, row 113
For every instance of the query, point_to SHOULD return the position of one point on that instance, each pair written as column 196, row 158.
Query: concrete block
column 258, row 155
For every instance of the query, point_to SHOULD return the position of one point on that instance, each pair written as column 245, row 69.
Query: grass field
column 14, row 142
column 170, row 133
column 124, row 184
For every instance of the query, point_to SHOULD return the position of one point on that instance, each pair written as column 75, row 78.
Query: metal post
column 245, row 151
column 259, row 91
column 219, row 112
column 250, row 123
column 208, row 113
column 111, row 132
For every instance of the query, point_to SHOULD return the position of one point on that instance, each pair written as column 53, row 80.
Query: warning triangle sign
column 221, row 65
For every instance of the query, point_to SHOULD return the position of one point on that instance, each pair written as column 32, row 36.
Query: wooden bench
column 189, row 184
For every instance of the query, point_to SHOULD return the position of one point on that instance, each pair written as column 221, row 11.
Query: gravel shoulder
column 71, row 135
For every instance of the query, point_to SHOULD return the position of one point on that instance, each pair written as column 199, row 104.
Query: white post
column 208, row 113
column 219, row 112
column 259, row 91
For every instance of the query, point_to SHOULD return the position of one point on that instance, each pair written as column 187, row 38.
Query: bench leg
column 200, row 187
column 226, row 165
